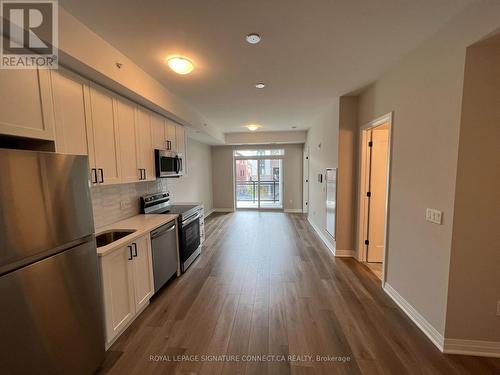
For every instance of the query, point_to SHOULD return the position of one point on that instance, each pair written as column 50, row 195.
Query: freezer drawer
column 51, row 318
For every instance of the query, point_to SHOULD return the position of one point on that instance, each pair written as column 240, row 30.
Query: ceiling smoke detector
column 260, row 85
column 253, row 38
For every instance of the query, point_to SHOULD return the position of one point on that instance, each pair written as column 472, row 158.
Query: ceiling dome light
column 253, row 38
column 253, row 127
column 180, row 65
column 260, row 85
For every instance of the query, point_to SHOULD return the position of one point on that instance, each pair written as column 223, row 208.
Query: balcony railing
column 248, row 191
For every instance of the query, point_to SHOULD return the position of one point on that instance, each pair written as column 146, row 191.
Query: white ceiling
column 311, row 51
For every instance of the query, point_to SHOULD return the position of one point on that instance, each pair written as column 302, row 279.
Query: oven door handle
column 190, row 219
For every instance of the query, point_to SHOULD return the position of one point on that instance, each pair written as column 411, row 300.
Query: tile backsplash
column 112, row 203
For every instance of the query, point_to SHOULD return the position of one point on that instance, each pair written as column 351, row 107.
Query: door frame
column 282, row 183
column 362, row 221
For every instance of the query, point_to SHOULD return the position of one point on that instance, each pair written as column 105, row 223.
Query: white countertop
column 142, row 224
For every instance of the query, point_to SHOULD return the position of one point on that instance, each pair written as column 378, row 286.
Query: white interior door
column 378, row 188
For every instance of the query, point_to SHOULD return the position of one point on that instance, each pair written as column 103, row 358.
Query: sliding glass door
column 259, row 179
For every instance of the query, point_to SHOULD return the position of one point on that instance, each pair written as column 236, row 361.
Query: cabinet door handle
column 130, row 252
column 144, row 173
column 94, row 175
column 140, row 174
column 101, row 173
column 135, row 249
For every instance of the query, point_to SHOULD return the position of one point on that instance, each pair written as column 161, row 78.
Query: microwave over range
column 168, row 164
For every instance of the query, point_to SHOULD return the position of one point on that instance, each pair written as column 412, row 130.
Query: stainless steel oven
column 189, row 222
column 189, row 240
column 168, row 164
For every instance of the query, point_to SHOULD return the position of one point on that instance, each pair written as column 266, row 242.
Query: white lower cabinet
column 127, row 282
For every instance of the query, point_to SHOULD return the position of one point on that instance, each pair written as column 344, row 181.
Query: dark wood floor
column 265, row 284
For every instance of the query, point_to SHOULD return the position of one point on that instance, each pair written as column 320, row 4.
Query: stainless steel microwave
column 168, row 164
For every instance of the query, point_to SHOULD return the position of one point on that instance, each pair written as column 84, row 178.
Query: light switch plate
column 434, row 216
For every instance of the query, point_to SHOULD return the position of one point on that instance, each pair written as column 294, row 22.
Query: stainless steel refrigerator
column 51, row 319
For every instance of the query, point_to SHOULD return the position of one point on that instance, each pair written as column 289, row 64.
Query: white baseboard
column 431, row 332
column 223, row 210
column 327, row 242
column 293, row 210
column 472, row 347
column 344, row 253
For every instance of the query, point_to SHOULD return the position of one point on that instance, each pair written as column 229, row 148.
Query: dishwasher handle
column 161, row 230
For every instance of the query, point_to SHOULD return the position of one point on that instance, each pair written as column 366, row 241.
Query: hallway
column 265, row 284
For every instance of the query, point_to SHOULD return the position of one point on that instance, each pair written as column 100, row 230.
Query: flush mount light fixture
column 180, row 64
column 253, row 38
column 253, row 127
column 260, row 85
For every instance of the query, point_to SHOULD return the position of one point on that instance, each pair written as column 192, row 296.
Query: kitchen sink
column 108, row 237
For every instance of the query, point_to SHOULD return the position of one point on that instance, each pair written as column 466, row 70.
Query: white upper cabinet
column 105, row 135
column 128, row 145
column 26, row 103
column 170, row 135
column 70, row 93
column 158, row 132
column 145, row 144
column 180, row 135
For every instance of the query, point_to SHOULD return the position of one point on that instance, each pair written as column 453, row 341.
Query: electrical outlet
column 434, row 216
column 498, row 308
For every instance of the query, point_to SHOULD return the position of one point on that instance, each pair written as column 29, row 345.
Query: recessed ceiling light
column 253, row 38
column 253, row 127
column 260, row 85
column 180, row 65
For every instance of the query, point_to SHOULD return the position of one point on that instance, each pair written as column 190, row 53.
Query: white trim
column 210, row 212
column 427, row 328
column 323, row 238
column 472, row 347
column 345, row 253
column 362, row 213
column 222, row 209
column 293, row 210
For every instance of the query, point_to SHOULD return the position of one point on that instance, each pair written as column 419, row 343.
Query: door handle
column 140, row 174
column 144, row 175
column 135, row 249
column 101, row 173
column 130, row 252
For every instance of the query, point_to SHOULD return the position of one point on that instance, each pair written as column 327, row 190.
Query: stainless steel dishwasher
column 164, row 249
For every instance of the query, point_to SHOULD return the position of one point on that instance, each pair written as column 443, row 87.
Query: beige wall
column 223, row 179
column 322, row 143
column 196, row 186
column 347, row 176
column 474, row 283
column 425, row 91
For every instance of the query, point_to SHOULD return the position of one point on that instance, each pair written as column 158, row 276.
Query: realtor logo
column 29, row 34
